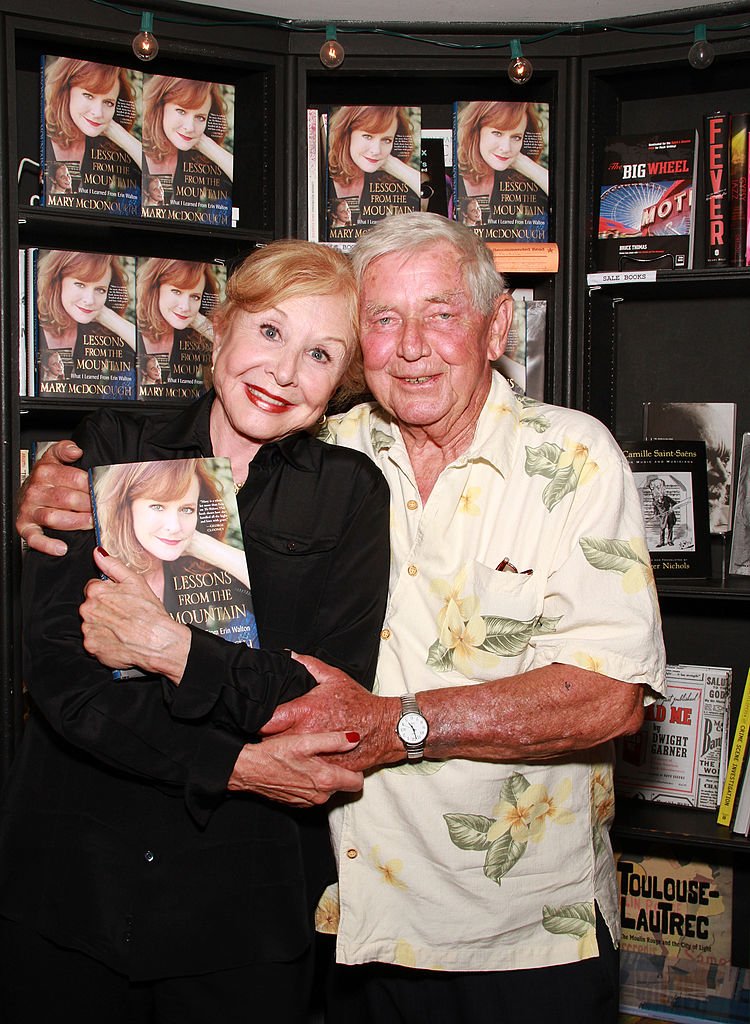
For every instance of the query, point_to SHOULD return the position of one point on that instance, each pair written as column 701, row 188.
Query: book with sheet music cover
column 176, row 522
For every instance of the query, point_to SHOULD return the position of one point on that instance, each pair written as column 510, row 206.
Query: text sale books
column 671, row 479
column 176, row 522
column 501, row 169
column 373, row 168
column 647, row 202
column 679, row 755
column 91, row 137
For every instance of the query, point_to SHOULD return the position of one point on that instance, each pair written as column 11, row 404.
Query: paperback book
column 738, row 189
column 646, row 201
column 672, row 486
column 176, row 522
column 739, row 558
column 373, row 167
column 523, row 359
column 91, row 137
column 501, row 169
column 188, row 150
column 84, row 325
column 176, row 301
column 676, row 948
column 717, row 190
column 736, row 760
column 714, row 423
column 680, row 753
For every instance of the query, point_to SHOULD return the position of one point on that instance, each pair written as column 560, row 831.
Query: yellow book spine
column 736, row 757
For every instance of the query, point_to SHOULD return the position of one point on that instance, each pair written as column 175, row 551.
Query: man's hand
column 338, row 702
column 125, row 624
column 56, row 495
column 295, row 770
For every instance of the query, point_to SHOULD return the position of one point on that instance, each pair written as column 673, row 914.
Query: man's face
column 426, row 348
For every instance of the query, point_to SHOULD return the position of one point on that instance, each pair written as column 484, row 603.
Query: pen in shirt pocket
column 507, row 566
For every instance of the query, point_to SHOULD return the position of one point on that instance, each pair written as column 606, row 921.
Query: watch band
column 414, row 747
column 409, row 703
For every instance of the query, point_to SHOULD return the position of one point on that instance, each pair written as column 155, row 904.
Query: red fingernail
column 101, row 551
column 353, row 737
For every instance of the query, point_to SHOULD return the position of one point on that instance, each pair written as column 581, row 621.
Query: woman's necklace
column 238, row 486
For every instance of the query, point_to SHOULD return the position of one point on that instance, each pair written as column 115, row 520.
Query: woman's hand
column 116, row 324
column 293, row 769
column 216, row 154
column 125, row 624
column 403, row 172
column 124, row 141
column 531, row 169
column 221, row 555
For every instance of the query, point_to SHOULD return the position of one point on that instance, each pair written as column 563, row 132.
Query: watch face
column 412, row 727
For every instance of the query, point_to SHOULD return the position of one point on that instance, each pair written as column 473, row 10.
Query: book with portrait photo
column 714, row 423
column 91, row 137
column 670, row 477
column 84, row 325
column 176, row 523
column 373, row 167
column 501, row 169
column 647, row 190
column 176, row 302
column 188, row 150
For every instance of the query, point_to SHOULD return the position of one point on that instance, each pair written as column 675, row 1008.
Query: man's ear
column 500, row 326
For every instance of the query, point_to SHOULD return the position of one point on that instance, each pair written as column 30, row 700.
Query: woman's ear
column 216, row 346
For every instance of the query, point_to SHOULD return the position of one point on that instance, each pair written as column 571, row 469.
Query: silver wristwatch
column 412, row 727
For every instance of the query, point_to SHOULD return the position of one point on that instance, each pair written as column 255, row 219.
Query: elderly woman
column 149, row 868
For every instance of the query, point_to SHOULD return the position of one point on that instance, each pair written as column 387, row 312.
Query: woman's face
column 183, row 126
column 275, row 371
column 179, row 306
column 164, row 528
column 92, row 112
column 153, row 370
column 156, row 191
column 369, row 150
column 343, row 213
column 55, row 366
column 499, row 147
column 83, row 300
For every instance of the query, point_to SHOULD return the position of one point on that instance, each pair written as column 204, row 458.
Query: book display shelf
column 609, row 348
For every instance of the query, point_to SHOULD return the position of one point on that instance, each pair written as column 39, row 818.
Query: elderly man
column 522, row 635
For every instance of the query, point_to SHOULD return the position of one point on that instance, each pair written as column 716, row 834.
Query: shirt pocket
column 506, row 615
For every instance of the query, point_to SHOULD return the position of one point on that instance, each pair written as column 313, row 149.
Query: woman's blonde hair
column 290, row 269
column 57, row 264
column 345, row 120
column 118, row 486
column 503, row 116
column 59, row 79
column 183, row 274
column 161, row 89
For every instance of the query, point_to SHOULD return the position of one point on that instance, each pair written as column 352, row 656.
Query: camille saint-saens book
column 188, row 150
column 647, row 201
column 84, row 325
column 671, row 479
column 176, row 301
column 676, row 947
column 372, row 167
column 501, row 168
column 90, row 137
column 677, row 755
column 177, row 523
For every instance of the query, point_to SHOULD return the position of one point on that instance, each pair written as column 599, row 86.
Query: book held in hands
column 176, row 523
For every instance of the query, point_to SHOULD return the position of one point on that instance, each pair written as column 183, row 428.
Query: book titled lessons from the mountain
column 176, row 303
column 84, row 325
column 647, row 202
column 501, row 169
column 188, row 150
column 176, row 523
column 90, row 137
column 373, row 167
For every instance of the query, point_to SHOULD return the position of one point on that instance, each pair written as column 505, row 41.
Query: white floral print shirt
column 470, row 866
